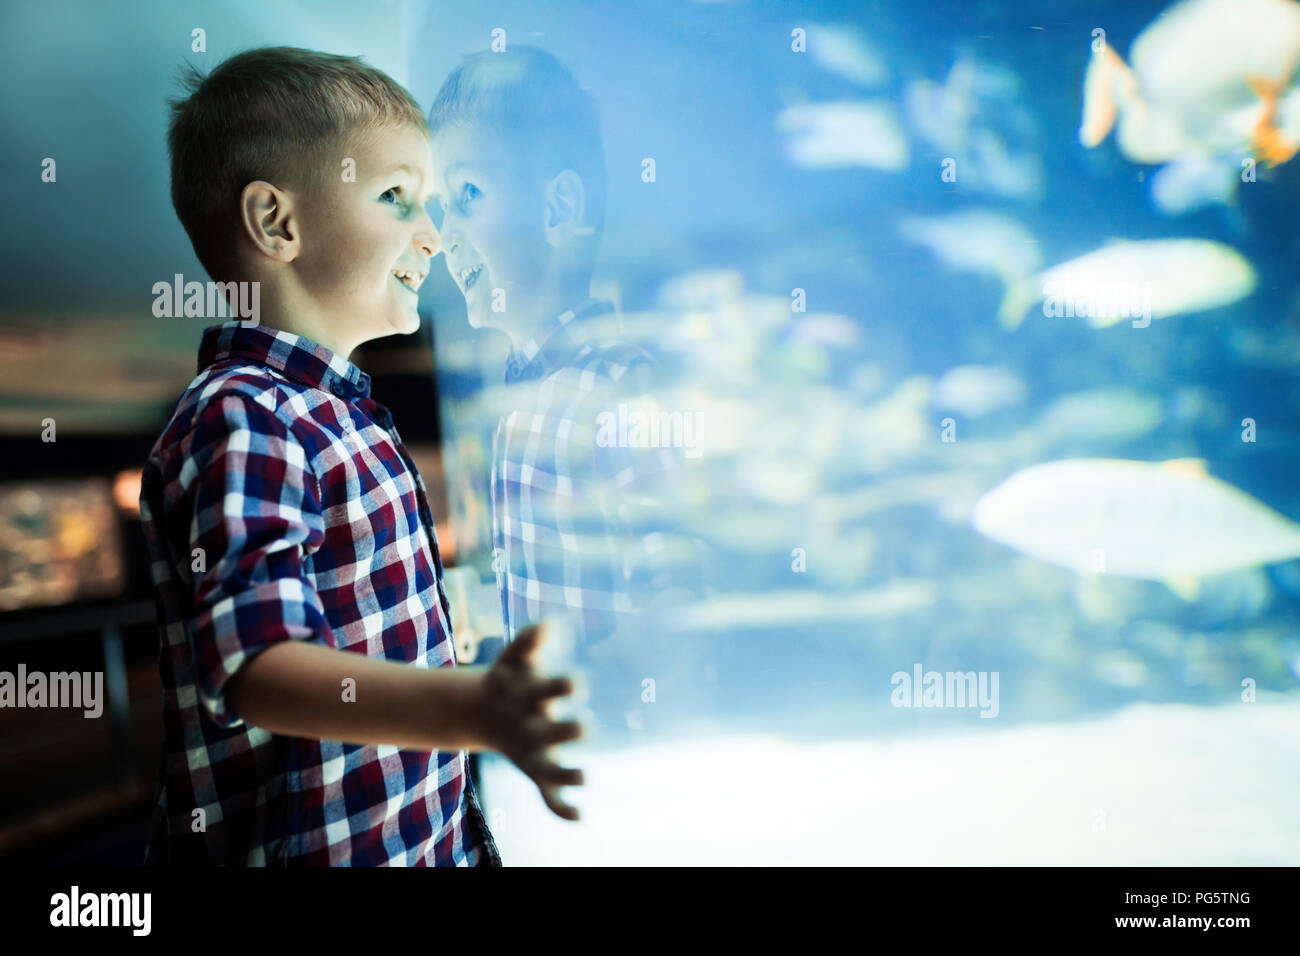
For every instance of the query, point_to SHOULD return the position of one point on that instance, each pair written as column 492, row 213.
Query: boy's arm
column 294, row 689
column 291, row 689
column 262, row 649
column 297, row 689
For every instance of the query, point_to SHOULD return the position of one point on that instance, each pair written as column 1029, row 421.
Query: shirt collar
column 554, row 343
column 294, row 356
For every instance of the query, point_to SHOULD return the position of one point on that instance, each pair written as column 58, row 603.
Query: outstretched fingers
column 549, row 688
column 542, row 732
column 523, row 649
column 549, row 777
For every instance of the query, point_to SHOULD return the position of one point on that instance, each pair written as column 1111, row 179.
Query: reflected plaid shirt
column 573, row 518
column 314, row 526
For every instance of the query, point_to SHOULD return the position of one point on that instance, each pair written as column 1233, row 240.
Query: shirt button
column 339, row 388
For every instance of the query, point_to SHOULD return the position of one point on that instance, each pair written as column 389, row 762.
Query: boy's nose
column 427, row 239
column 428, row 243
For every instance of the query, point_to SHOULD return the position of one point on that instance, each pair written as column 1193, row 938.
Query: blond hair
column 269, row 114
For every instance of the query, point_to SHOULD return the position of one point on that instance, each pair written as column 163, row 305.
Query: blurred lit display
column 60, row 542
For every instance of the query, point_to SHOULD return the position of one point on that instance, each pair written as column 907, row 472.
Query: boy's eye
column 392, row 191
column 467, row 192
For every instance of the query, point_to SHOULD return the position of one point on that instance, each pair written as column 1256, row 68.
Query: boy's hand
column 517, row 722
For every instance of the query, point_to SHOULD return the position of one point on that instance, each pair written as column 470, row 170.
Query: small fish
column 1167, row 521
column 978, row 113
column 1106, row 414
column 796, row 608
column 976, row 390
column 823, row 328
column 896, row 426
column 1150, row 278
column 844, row 51
column 978, row 241
column 1187, row 184
column 844, row 133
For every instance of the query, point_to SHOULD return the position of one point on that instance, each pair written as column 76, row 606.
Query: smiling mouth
column 409, row 278
column 469, row 276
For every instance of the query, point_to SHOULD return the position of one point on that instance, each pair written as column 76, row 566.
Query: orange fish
column 1110, row 86
column 1267, row 141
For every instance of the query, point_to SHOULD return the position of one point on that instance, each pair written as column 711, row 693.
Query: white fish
column 1210, row 83
column 977, row 114
column 978, row 241
column 1153, row 278
column 976, row 390
column 1000, row 169
column 944, row 114
column 1167, row 522
column 1188, row 184
column 795, row 608
column 1196, row 48
column 897, row 426
column 843, row 51
column 844, row 133
column 824, row 328
column 1109, row 414
column 1135, row 279
column 1277, row 348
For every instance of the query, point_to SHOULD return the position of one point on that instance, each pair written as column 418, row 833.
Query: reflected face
column 492, row 227
column 367, row 244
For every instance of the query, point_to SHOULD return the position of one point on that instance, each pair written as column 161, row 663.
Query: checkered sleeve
column 254, row 510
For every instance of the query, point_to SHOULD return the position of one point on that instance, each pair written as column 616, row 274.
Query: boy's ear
column 268, row 218
column 566, row 205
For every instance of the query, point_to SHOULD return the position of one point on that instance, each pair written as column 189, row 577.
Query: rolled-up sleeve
column 254, row 507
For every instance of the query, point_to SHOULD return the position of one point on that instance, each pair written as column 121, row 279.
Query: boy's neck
column 283, row 311
column 549, row 305
column 336, row 343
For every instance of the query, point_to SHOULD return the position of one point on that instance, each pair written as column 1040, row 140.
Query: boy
column 578, row 534
column 314, row 712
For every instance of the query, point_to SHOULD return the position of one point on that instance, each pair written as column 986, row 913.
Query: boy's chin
column 481, row 317
column 403, row 322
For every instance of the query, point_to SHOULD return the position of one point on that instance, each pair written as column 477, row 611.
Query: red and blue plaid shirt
column 578, row 532
column 280, row 504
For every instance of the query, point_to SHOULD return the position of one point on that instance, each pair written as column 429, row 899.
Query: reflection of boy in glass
column 519, row 172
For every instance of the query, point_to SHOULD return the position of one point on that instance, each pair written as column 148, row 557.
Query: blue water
column 730, row 198
column 808, row 422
